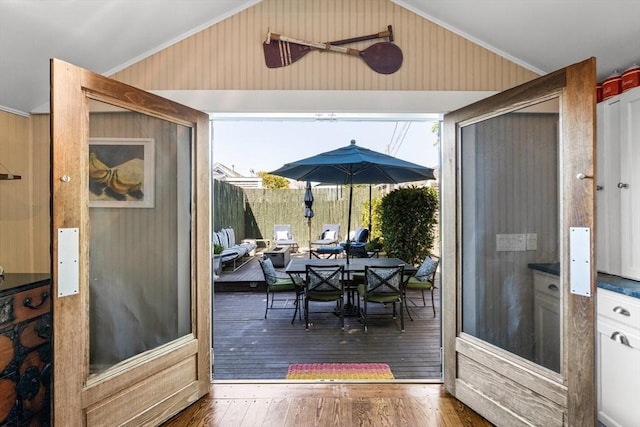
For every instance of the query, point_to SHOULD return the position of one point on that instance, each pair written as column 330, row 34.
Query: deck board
column 247, row 346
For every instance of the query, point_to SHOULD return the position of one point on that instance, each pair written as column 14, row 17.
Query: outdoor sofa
column 235, row 254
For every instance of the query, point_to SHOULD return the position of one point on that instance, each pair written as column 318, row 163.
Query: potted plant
column 217, row 265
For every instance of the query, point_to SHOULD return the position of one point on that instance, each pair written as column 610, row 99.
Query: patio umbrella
column 308, row 203
column 354, row 165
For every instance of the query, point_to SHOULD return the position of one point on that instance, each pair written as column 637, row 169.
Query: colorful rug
column 339, row 371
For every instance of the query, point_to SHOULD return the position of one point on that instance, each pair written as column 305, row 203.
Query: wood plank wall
column 24, row 203
column 229, row 55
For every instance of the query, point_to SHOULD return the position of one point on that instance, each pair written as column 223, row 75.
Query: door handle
column 621, row 310
column 621, row 338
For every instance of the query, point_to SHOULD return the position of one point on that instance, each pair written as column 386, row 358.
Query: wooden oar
column 283, row 53
column 382, row 57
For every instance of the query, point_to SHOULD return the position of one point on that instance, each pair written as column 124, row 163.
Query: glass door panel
column 140, row 223
column 510, row 225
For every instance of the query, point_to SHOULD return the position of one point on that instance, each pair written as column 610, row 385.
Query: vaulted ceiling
column 108, row 35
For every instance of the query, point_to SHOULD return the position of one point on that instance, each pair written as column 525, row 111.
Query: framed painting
column 121, row 173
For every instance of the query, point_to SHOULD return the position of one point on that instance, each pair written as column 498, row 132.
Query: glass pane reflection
column 140, row 256
column 510, row 216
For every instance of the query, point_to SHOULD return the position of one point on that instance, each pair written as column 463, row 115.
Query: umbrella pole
column 369, row 211
column 348, row 248
column 309, row 224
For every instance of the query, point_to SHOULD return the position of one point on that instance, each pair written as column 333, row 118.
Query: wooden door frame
column 576, row 85
column 69, row 158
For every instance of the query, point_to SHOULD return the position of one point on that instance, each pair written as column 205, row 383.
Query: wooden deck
column 249, row 347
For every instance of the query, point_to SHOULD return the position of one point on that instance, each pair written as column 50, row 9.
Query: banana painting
column 105, row 180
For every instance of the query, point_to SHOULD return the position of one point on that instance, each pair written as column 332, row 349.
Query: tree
column 273, row 181
column 408, row 220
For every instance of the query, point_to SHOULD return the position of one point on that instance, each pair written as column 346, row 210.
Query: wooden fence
column 253, row 212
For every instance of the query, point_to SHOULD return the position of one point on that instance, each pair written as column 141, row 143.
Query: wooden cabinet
column 618, row 359
column 25, row 351
column 618, row 185
column 547, row 298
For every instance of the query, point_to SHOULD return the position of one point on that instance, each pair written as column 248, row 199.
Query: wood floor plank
column 388, row 404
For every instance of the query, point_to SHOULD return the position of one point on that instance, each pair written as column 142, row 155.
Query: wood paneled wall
column 229, row 55
column 24, row 203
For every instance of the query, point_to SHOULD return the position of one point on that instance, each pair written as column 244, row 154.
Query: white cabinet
column 618, row 185
column 546, row 304
column 618, row 359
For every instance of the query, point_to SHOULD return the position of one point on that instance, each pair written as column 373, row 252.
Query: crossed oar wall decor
column 381, row 57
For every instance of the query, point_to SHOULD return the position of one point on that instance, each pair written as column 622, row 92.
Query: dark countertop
column 12, row 282
column 604, row 281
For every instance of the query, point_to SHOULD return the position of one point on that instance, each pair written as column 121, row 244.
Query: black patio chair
column 324, row 284
column 382, row 285
column 423, row 280
column 276, row 284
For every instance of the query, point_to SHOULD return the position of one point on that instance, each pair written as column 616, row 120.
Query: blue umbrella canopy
column 354, row 165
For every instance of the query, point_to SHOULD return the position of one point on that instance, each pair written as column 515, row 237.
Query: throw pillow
column 270, row 275
column 329, row 234
column 282, row 235
column 427, row 268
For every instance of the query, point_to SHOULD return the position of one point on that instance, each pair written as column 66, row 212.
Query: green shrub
column 217, row 249
column 408, row 220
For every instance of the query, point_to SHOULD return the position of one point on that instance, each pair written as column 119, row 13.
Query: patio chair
column 357, row 243
column 330, row 235
column 423, row 280
column 282, row 237
column 276, row 284
column 382, row 285
column 324, row 284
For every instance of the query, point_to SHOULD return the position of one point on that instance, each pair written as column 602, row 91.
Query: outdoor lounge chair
column 330, row 235
column 357, row 242
column 282, row 237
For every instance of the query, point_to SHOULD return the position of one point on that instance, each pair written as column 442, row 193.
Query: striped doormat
column 339, row 371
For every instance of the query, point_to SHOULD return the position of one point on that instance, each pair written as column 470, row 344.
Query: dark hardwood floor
column 249, row 347
column 252, row 355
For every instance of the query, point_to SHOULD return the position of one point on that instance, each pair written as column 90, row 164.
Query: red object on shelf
column 630, row 78
column 612, row 86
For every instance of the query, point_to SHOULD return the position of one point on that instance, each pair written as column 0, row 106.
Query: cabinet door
column 618, row 352
column 630, row 183
column 547, row 319
column 607, row 191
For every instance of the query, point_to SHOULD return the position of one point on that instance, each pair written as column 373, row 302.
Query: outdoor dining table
column 298, row 266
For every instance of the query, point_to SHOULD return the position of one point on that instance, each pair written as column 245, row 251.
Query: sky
column 265, row 145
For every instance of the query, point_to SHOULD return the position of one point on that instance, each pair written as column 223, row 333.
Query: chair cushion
column 426, row 269
column 282, row 235
column 361, row 235
column 270, row 275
